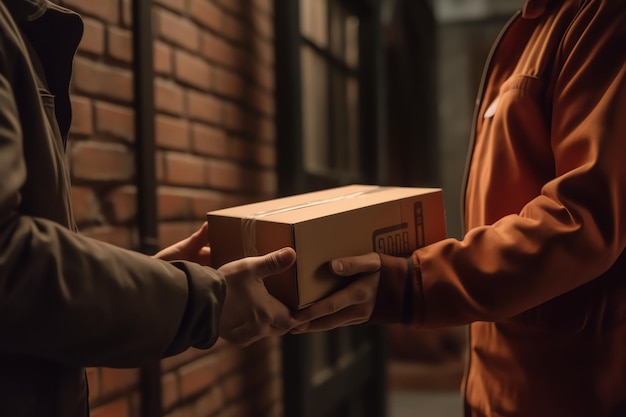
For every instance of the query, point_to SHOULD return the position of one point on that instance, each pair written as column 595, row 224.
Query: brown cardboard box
column 320, row 226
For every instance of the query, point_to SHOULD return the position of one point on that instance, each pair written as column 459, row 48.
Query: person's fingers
column 252, row 331
column 204, row 256
column 261, row 267
column 355, row 314
column 274, row 262
column 243, row 335
column 359, row 292
column 353, row 265
column 201, row 236
column 282, row 319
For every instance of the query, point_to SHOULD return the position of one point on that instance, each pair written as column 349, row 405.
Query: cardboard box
column 323, row 225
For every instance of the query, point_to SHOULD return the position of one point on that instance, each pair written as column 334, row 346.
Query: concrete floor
column 425, row 404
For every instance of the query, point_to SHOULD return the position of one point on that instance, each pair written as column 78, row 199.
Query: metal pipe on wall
column 146, row 216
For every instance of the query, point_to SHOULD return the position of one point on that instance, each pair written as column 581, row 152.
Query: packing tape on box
column 248, row 223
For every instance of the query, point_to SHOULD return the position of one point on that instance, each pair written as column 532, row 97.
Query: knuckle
column 272, row 263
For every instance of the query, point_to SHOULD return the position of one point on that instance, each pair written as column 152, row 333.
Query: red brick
column 97, row 79
column 264, row 51
column 197, row 376
column 236, row 30
column 172, row 232
column 169, row 97
column 209, row 403
column 264, row 77
column 108, row 10
column 230, row 84
column 172, row 132
column 113, row 380
column 234, row 6
column 217, row 50
column 208, row 140
column 266, row 182
column 177, row 30
column 176, row 5
column 258, row 399
column 169, row 389
column 266, row 130
column 93, row 380
column 118, row 408
column 238, row 119
column 115, row 121
column 182, row 411
column 225, row 176
column 239, row 199
column 252, row 384
column 159, row 161
column 260, row 100
column 248, row 71
column 205, row 201
column 85, row 206
column 265, row 395
column 207, row 15
column 229, row 176
column 259, row 154
column 239, row 410
column 119, row 236
column 192, row 70
column 182, row 169
column 205, row 108
column 102, row 161
column 82, row 116
column 162, row 56
column 276, row 410
column 120, row 44
column 230, row 360
column 173, row 203
column 127, row 13
column 135, row 403
column 262, row 24
column 266, row 6
column 261, row 349
column 122, row 203
column 93, row 37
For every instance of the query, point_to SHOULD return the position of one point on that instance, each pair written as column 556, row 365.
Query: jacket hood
column 26, row 9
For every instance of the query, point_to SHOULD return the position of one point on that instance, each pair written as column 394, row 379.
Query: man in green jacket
column 66, row 301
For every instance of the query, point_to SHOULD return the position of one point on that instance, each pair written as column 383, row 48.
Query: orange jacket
column 541, row 271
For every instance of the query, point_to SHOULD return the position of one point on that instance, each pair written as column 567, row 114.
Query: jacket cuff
column 394, row 298
column 199, row 326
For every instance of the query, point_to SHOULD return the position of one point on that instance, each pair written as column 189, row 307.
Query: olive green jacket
column 66, row 301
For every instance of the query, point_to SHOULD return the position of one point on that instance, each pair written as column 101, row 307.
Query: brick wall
column 213, row 62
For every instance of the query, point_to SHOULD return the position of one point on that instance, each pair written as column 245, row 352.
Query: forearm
column 72, row 299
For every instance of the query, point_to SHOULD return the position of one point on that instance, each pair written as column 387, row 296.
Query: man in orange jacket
column 541, row 272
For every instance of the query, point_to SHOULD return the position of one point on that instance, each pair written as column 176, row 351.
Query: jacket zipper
column 470, row 152
column 478, row 104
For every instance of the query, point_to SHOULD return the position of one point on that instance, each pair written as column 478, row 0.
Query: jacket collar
column 26, row 9
column 535, row 8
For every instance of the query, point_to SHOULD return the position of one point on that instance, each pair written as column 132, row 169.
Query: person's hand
column 250, row 313
column 195, row 248
column 353, row 304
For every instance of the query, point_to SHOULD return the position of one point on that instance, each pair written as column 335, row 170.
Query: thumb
column 201, row 235
column 275, row 262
